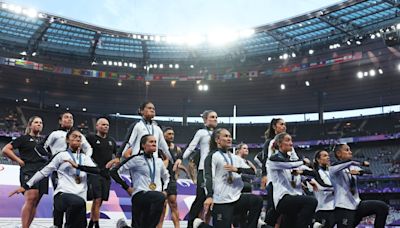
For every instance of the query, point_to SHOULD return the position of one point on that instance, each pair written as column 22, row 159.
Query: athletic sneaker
column 121, row 223
column 197, row 222
column 317, row 225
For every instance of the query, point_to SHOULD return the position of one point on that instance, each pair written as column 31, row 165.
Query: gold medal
column 78, row 179
column 152, row 186
column 230, row 179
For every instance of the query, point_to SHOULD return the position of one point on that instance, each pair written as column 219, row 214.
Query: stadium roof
column 46, row 33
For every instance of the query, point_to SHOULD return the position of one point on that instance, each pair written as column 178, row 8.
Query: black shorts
column 98, row 187
column 27, row 172
column 171, row 189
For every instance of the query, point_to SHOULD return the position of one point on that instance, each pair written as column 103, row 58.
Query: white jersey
column 56, row 142
column 201, row 137
column 271, row 151
column 66, row 173
column 280, row 168
column 325, row 194
column 225, row 192
column 147, row 128
column 139, row 169
column 346, row 195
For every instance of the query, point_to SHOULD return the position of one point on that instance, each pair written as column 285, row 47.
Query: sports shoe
column 197, row 222
column 121, row 223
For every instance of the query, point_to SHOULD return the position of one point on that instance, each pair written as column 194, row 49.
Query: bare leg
column 29, row 208
column 161, row 222
column 174, row 210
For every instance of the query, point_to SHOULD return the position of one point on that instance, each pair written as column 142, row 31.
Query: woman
column 147, row 192
column 324, row 190
column 349, row 208
column 72, row 167
column 30, row 162
column 277, row 126
column 146, row 126
column 55, row 143
column 297, row 209
column 242, row 152
column 201, row 137
column 225, row 196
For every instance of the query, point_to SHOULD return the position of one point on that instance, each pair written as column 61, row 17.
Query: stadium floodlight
column 155, row 66
column 57, row 105
column 283, row 87
column 280, row 57
column 25, row 100
column 380, row 71
column 176, row 66
column 269, row 58
column 192, row 66
column 360, row 74
column 194, row 39
column 134, row 36
column 30, row 13
column 372, row 36
column 130, row 64
column 145, row 37
column 15, row 9
column 293, row 55
column 205, row 87
column 171, row 66
column 119, row 63
column 23, row 53
column 115, row 63
column 110, row 63
column 134, row 65
column 42, row 15
column 119, row 83
column 348, row 42
column 198, row 82
column 398, row 26
column 358, row 42
column 246, row 33
column 175, row 39
column 157, row 38
column 34, row 53
column 365, row 73
column 173, row 82
column 222, row 37
column 4, row 6
column 331, row 46
column 84, row 109
column 151, row 37
column 372, row 72
column 307, row 83
column 147, row 83
column 200, row 87
column 86, row 82
column 311, row 51
column 285, row 56
column 125, row 64
column 378, row 34
column 161, row 66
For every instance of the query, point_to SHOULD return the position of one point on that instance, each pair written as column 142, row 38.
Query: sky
column 176, row 17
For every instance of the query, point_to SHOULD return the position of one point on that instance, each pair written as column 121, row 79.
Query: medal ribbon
column 78, row 171
column 148, row 130
column 152, row 173
column 226, row 160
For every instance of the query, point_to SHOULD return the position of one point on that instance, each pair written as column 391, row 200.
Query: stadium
column 332, row 74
